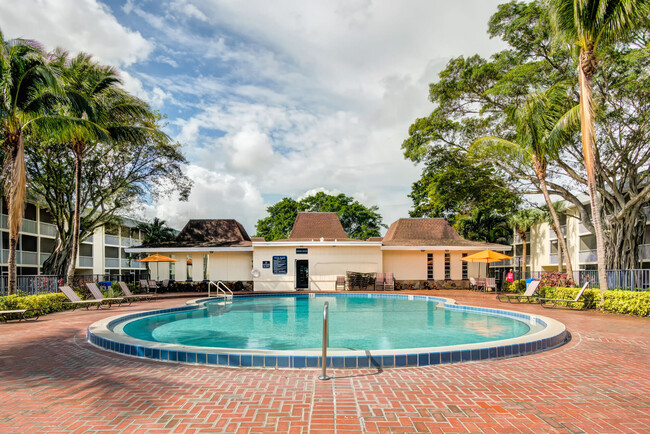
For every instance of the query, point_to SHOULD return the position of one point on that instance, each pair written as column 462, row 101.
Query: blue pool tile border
column 368, row 361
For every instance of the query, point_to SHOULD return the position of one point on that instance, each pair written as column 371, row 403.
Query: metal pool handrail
column 323, row 375
column 221, row 287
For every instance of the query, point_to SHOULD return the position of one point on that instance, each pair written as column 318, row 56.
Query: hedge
column 616, row 300
column 47, row 303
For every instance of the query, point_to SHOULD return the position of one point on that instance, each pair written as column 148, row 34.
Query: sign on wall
column 301, row 251
column 279, row 265
column 266, row 264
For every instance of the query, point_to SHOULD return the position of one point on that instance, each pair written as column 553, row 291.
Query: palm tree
column 156, row 232
column 28, row 94
column 522, row 221
column 587, row 24
column 93, row 95
column 482, row 225
column 534, row 122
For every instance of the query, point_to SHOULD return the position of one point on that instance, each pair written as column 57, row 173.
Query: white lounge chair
column 527, row 296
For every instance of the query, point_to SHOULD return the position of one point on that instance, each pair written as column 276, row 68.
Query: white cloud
column 76, row 25
column 214, row 195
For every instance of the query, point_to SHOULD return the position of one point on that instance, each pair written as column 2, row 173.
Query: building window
column 172, row 269
column 206, row 272
column 465, row 268
column 447, row 266
column 189, row 268
column 429, row 266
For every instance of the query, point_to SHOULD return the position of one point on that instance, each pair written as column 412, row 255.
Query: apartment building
column 542, row 246
column 101, row 253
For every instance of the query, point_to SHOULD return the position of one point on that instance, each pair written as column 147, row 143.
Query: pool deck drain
column 54, row 381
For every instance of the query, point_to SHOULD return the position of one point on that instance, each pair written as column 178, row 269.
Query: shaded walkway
column 51, row 379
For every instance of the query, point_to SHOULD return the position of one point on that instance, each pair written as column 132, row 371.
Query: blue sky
column 273, row 98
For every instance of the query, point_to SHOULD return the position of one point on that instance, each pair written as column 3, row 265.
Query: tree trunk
column 586, row 71
column 57, row 263
column 540, row 170
column 523, row 260
column 15, row 187
column 560, row 266
column 72, row 263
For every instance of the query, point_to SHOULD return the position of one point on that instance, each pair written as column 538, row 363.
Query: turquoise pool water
column 295, row 323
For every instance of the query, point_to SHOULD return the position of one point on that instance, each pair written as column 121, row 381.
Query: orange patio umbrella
column 486, row 256
column 157, row 258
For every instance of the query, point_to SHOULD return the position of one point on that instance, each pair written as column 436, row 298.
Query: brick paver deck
column 52, row 380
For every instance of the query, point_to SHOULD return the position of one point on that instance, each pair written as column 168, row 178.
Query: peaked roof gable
column 316, row 225
column 427, row 232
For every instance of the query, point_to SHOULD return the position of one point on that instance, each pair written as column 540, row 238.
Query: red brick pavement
column 52, row 380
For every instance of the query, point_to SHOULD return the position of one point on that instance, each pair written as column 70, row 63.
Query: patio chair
column 153, row 285
column 555, row 302
column 379, row 281
column 473, row 285
column 490, row 283
column 340, row 283
column 75, row 301
column 527, row 296
column 6, row 315
column 128, row 295
column 94, row 290
column 390, row 282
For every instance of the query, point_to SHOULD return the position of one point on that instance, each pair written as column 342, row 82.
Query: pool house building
column 416, row 251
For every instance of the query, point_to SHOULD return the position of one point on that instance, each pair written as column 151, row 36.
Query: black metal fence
column 626, row 280
column 34, row 285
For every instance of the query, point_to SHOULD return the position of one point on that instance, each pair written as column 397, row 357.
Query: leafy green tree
column 29, row 90
column 94, row 94
column 484, row 226
column 473, row 96
column 358, row 221
column 522, row 221
column 453, row 185
column 534, row 144
column 588, row 24
column 116, row 178
column 156, row 232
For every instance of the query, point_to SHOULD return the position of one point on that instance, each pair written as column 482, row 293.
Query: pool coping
column 553, row 335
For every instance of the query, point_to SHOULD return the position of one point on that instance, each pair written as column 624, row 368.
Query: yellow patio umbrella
column 157, row 258
column 486, row 256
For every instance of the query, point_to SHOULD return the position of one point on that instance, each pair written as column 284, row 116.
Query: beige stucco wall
column 226, row 266
column 412, row 264
column 325, row 263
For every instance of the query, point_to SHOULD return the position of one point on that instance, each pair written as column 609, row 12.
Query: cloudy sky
column 273, row 98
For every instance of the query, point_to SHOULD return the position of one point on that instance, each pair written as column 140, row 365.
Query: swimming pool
column 285, row 330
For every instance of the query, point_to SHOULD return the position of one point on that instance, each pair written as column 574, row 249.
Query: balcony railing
column 112, row 239
column 22, row 258
column 646, row 211
column 112, row 262
column 3, row 221
column 85, row 262
column 551, row 232
column 47, row 229
column 644, row 252
column 582, row 230
column 588, row 256
column 30, row 227
column 553, row 259
column 88, row 240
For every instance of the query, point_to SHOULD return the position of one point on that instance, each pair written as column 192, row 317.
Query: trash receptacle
column 106, row 284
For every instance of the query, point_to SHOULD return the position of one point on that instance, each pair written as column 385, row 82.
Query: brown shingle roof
column 210, row 233
column 427, row 232
column 316, row 225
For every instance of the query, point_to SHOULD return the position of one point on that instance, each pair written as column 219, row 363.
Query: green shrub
column 627, row 302
column 618, row 301
column 515, row 287
column 47, row 303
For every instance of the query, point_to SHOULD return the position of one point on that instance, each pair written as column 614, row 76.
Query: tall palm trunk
column 540, row 171
column 523, row 260
column 586, row 71
column 78, row 147
column 15, row 187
